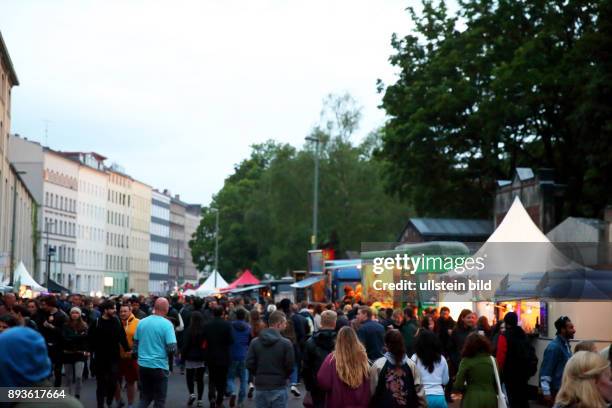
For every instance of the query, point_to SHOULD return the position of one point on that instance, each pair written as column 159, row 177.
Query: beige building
column 193, row 216
column 139, row 244
column 18, row 206
column 118, row 221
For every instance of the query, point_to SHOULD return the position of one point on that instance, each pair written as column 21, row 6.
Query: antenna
column 47, row 121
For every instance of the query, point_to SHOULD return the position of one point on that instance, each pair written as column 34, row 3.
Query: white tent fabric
column 189, row 292
column 23, row 277
column 517, row 248
column 209, row 287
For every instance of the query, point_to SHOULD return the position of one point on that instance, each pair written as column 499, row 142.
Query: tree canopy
column 496, row 85
column 265, row 206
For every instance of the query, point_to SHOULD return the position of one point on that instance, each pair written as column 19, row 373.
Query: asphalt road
column 177, row 395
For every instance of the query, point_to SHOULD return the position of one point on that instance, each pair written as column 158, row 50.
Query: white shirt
column 432, row 382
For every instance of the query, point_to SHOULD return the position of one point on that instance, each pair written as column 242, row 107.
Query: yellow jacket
column 130, row 329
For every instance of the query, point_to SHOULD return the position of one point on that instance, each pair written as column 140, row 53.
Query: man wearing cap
column 556, row 355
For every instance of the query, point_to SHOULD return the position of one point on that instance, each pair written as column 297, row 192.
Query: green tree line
column 265, row 206
column 496, row 85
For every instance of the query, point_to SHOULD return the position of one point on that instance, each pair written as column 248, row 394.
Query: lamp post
column 49, row 253
column 14, row 227
column 315, row 204
column 215, row 271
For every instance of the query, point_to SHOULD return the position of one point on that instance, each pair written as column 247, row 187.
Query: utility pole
column 49, row 253
column 14, row 226
column 315, row 203
column 215, row 271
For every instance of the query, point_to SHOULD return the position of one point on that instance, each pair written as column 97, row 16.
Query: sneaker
column 251, row 390
column 295, row 391
column 191, row 399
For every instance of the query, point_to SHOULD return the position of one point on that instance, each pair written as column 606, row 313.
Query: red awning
column 246, row 279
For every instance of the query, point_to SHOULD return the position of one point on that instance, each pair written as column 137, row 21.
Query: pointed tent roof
column 518, row 250
column 246, row 279
column 208, row 287
column 23, row 277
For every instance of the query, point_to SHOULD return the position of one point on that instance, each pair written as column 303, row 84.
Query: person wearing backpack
column 515, row 357
column 395, row 380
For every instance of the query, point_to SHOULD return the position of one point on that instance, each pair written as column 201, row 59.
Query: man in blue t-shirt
column 153, row 341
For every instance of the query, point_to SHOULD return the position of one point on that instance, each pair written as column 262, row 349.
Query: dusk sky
column 176, row 92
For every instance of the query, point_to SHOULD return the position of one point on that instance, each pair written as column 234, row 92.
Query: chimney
column 177, row 197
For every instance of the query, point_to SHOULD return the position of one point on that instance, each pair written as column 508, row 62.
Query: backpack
column 395, row 387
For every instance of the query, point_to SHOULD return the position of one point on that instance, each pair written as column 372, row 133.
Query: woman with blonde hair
column 343, row 376
column 587, row 382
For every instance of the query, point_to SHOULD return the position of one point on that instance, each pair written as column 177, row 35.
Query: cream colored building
column 118, row 221
column 139, row 243
column 18, row 206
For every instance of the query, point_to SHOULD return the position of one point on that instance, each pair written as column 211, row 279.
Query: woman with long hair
column 587, row 382
column 343, row 376
column 193, row 354
column 394, row 379
column 476, row 376
column 466, row 324
column 432, row 366
column 75, row 350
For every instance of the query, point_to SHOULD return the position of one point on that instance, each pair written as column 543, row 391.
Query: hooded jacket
column 316, row 350
column 242, row 335
column 129, row 326
column 270, row 359
column 391, row 384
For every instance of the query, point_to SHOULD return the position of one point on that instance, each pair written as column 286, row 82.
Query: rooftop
column 452, row 227
column 7, row 60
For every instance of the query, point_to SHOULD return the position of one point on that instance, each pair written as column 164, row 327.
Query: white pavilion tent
column 209, row 287
column 23, row 277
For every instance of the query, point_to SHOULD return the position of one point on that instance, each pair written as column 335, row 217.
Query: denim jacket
column 556, row 355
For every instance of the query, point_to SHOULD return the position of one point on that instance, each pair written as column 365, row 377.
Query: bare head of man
column 161, row 306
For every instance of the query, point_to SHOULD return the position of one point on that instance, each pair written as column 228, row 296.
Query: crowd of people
column 346, row 355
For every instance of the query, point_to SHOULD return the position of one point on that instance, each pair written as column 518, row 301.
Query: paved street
column 177, row 395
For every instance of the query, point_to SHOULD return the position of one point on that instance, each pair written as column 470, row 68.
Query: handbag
column 502, row 401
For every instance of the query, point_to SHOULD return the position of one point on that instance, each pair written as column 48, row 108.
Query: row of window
column 159, row 248
column 92, row 189
column 63, row 254
column 119, row 198
column 60, row 202
column 160, row 230
column 60, row 227
column 118, row 219
column 158, row 267
column 160, row 212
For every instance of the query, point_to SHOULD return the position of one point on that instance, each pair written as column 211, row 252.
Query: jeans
column 237, row 369
column 74, row 374
column 271, row 398
column 294, row 375
column 154, row 383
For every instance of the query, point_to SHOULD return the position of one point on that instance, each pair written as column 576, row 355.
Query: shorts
column 128, row 369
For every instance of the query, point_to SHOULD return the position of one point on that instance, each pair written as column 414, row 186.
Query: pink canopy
column 246, row 279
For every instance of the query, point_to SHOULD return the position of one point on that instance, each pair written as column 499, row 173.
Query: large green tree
column 266, row 205
column 500, row 84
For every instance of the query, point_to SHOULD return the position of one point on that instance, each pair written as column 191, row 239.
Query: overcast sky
column 177, row 91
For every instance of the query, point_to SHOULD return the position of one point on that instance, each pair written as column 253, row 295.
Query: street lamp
column 215, row 272
column 14, row 226
column 49, row 253
column 315, row 204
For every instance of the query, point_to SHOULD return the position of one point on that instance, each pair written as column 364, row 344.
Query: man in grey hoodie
column 270, row 359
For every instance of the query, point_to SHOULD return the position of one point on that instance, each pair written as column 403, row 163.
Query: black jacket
column 192, row 346
column 270, row 359
column 74, row 344
column 371, row 334
column 457, row 340
column 317, row 348
column 105, row 336
column 219, row 338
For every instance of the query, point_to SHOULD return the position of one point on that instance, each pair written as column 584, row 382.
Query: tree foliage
column 265, row 206
column 497, row 85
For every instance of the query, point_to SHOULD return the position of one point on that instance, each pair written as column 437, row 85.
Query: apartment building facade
column 159, row 259
column 177, row 240
column 140, row 237
column 18, row 206
column 193, row 216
